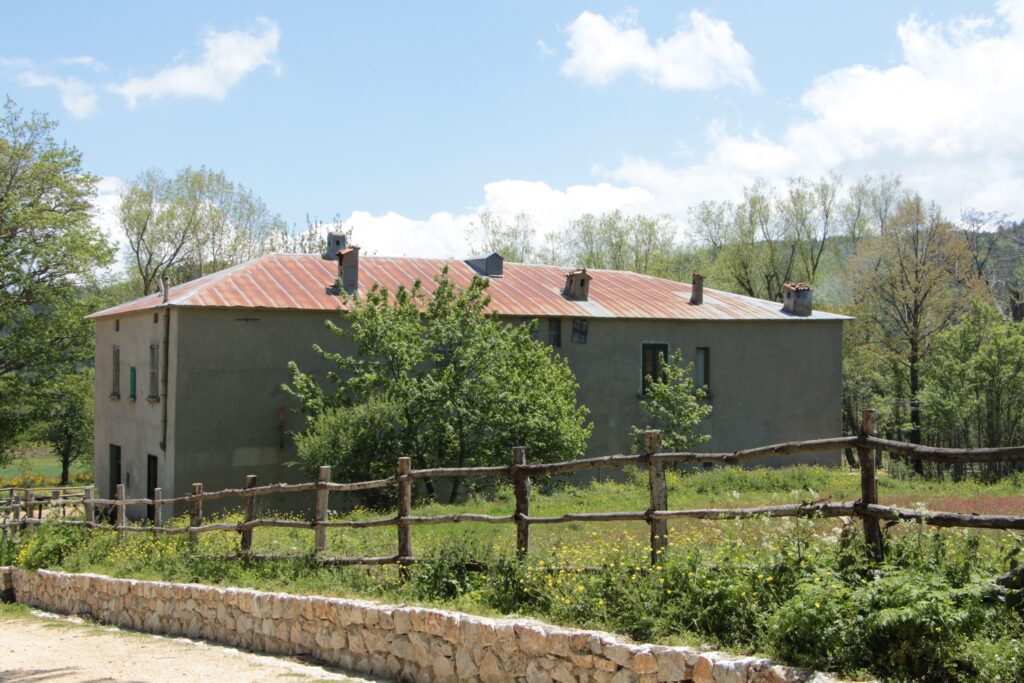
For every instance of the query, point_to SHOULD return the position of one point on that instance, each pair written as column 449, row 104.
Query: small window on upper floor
column 702, row 368
column 579, row 330
column 154, row 372
column 555, row 332
column 131, row 384
column 117, row 325
column 653, row 363
column 115, row 372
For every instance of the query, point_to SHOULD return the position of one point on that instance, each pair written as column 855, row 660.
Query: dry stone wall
column 401, row 643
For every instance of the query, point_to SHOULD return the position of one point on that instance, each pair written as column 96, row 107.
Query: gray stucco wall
column 135, row 426
column 770, row 382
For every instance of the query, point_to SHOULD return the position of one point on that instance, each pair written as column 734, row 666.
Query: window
column 653, row 363
column 579, row 330
column 555, row 331
column 154, row 372
column 117, row 325
column 156, row 318
column 702, row 368
column 131, row 384
column 115, row 390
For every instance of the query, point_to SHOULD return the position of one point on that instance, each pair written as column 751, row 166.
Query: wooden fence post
column 55, row 496
column 158, row 515
column 321, row 509
column 88, row 508
column 195, row 513
column 659, row 494
column 121, row 514
column 404, row 511
column 521, row 484
column 869, row 485
column 250, row 513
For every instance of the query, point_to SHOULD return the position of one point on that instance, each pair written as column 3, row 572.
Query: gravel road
column 41, row 647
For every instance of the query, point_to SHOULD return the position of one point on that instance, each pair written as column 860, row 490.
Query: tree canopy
column 438, row 378
column 49, row 254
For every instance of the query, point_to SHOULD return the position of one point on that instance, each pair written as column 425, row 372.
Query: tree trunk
column 65, row 468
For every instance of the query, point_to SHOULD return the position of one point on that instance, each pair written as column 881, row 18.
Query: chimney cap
column 797, row 287
column 345, row 251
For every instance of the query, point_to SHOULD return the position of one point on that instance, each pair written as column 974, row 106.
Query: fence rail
column 22, row 508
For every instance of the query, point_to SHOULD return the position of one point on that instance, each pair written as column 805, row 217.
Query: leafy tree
column 673, row 405
column 48, row 253
column 65, row 419
column 911, row 283
column 513, row 238
column 974, row 383
column 461, row 386
column 642, row 244
column 192, row 224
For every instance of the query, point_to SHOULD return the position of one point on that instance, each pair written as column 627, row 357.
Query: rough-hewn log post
column 88, row 510
column 404, row 511
column 321, row 509
column 659, row 494
column 195, row 517
column 869, row 485
column 158, row 515
column 250, row 514
column 521, row 484
column 121, row 513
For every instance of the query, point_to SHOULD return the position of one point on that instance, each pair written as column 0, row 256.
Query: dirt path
column 41, row 647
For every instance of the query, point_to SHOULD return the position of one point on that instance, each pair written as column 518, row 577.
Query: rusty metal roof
column 304, row 282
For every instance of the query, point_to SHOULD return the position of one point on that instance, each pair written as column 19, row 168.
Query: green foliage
column 974, row 379
column 48, row 253
column 192, row 224
column 64, row 419
column 674, row 406
column 342, row 436
column 799, row 590
column 461, row 387
column 47, row 545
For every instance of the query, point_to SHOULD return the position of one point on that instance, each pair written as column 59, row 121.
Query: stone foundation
column 402, row 643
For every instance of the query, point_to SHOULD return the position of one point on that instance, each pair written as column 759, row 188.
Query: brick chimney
column 348, row 269
column 697, row 290
column 796, row 298
column 577, row 284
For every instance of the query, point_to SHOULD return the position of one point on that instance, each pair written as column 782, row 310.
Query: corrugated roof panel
column 302, row 282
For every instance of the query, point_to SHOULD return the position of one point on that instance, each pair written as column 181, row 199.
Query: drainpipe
column 166, row 283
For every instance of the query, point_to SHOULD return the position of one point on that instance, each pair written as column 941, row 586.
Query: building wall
column 134, row 425
column 229, row 396
column 770, row 382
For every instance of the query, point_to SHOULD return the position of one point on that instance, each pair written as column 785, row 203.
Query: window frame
column 154, row 372
column 702, row 361
column 580, row 330
column 555, row 332
column 115, row 391
column 659, row 372
column 132, row 384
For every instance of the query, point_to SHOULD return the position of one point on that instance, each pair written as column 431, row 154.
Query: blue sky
column 407, row 119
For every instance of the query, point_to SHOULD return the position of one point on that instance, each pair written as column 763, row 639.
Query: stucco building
column 188, row 381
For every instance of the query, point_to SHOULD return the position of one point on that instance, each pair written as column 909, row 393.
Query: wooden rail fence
column 24, row 507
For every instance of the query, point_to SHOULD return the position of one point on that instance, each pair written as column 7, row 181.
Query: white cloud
column 948, row 118
column 227, row 58
column 77, row 96
column 104, row 216
column 83, row 61
column 443, row 234
column 700, row 56
column 544, row 49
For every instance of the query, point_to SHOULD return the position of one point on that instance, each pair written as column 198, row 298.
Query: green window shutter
column 131, row 383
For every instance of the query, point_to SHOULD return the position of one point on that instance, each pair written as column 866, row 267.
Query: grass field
column 41, row 470
column 800, row 590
